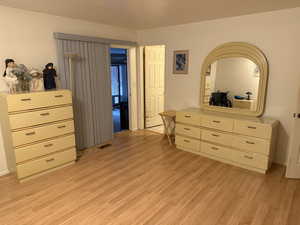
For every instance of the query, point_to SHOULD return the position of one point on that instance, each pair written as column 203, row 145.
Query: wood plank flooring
column 141, row 180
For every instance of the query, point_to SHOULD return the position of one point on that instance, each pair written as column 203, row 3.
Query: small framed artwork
column 181, row 62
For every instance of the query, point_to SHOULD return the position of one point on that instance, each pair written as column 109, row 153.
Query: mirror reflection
column 232, row 83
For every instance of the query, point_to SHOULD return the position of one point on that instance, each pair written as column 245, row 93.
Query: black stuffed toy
column 49, row 74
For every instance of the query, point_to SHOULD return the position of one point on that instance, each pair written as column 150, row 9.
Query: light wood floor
column 142, row 180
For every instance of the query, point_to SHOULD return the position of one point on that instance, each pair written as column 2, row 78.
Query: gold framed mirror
column 234, row 79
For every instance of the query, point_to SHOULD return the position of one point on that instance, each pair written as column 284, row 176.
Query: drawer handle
column 186, row 128
column 50, row 160
column 48, row 145
column 31, row 133
column 25, row 99
column 250, row 142
column 216, row 121
column 45, row 114
column 58, row 96
column 187, row 116
column 187, row 141
column 215, row 135
column 248, row 157
column 214, row 148
column 60, row 127
column 250, row 127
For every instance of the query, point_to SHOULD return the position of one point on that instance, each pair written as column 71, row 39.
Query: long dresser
column 38, row 132
column 246, row 142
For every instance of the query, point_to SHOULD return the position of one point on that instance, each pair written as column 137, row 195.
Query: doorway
column 293, row 165
column 119, row 88
column 154, row 86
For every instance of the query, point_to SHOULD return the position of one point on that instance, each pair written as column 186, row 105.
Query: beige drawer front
column 215, row 150
column 223, row 124
column 40, row 133
column 188, row 143
column 40, row 165
column 40, row 117
column 253, row 129
column 251, row 144
column 252, row 159
column 41, row 149
column 217, row 137
column 188, row 130
column 188, row 118
column 18, row 102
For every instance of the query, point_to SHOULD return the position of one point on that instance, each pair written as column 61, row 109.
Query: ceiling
column 142, row 14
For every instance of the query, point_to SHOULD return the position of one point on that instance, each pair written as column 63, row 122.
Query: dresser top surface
column 34, row 92
column 265, row 120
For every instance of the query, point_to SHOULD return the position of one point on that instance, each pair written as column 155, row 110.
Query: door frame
column 292, row 155
column 142, row 98
column 131, row 82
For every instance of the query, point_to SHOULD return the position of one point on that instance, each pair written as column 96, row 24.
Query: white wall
column 27, row 37
column 276, row 33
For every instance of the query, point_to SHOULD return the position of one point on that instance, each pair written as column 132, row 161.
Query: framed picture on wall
column 181, row 62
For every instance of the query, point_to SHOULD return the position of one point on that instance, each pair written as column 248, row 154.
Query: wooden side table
column 168, row 118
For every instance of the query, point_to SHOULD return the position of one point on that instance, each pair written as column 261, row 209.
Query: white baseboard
column 4, row 172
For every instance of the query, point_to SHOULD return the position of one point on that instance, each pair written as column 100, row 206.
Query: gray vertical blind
column 92, row 89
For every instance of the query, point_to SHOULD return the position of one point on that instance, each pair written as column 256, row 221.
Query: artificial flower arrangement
column 18, row 78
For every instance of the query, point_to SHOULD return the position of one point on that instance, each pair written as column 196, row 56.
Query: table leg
column 167, row 130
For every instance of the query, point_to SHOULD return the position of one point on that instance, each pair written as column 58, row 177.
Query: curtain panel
column 91, row 88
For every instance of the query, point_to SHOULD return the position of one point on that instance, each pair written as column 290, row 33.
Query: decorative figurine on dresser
column 49, row 74
column 237, row 135
column 38, row 131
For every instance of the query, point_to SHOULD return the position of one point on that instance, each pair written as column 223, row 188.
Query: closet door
column 91, row 89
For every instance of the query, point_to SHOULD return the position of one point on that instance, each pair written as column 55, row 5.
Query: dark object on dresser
column 49, row 74
column 220, row 99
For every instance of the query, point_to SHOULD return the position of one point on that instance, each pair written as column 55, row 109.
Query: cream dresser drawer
column 253, row 129
column 188, row 130
column 45, row 163
column 40, row 133
column 44, row 148
column 40, row 117
column 188, row 118
column 215, row 150
column 217, row 137
column 188, row 143
column 251, row 144
column 234, row 139
column 218, row 123
column 252, row 159
column 38, row 130
column 26, row 101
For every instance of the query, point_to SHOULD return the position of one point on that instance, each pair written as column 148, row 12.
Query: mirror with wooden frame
column 234, row 79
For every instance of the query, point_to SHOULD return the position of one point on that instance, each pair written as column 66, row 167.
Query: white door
column 154, row 84
column 293, row 167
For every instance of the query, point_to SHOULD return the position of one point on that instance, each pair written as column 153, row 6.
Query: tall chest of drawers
column 241, row 141
column 38, row 132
